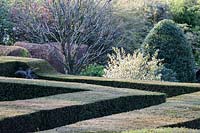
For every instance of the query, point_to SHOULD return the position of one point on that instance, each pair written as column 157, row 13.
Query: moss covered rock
column 173, row 48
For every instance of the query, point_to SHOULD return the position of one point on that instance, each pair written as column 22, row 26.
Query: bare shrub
column 72, row 23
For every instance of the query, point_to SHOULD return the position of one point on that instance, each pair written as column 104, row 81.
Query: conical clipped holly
column 173, row 48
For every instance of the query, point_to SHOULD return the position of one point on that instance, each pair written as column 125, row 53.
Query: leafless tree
column 72, row 23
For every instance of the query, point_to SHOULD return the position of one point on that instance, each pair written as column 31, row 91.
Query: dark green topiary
column 174, row 49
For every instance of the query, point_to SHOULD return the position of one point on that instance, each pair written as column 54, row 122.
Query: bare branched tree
column 72, row 23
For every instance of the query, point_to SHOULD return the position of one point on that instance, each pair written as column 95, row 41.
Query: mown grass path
column 179, row 111
column 58, row 109
column 116, row 105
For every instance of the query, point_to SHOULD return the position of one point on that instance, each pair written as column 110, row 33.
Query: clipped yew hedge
column 22, row 89
column 49, row 119
column 169, row 88
column 8, row 65
column 15, row 88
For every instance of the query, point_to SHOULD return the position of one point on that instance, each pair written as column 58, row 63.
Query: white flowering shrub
column 136, row 66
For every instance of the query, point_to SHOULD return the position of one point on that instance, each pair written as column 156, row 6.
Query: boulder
column 50, row 52
column 14, row 51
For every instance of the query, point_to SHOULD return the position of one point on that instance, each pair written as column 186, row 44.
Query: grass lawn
column 59, row 109
column 179, row 111
column 57, row 103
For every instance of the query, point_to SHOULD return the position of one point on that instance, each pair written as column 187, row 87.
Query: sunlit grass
column 164, row 130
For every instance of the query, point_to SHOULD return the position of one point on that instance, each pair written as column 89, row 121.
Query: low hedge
column 18, row 89
column 8, row 65
column 169, row 88
column 91, row 101
column 49, row 119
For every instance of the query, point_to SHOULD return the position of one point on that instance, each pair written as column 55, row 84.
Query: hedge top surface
column 62, row 109
column 55, row 74
column 178, row 110
column 89, row 93
column 47, row 72
column 173, row 48
column 42, row 65
column 89, row 78
column 81, row 86
column 169, row 88
column 31, row 61
column 45, row 66
column 45, row 83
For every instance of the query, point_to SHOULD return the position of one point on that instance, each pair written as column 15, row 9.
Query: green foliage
column 6, row 27
column 139, row 18
column 186, row 11
column 24, row 53
column 193, row 37
column 197, row 57
column 173, row 48
column 93, row 70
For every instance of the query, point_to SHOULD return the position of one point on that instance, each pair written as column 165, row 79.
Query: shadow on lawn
column 193, row 124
